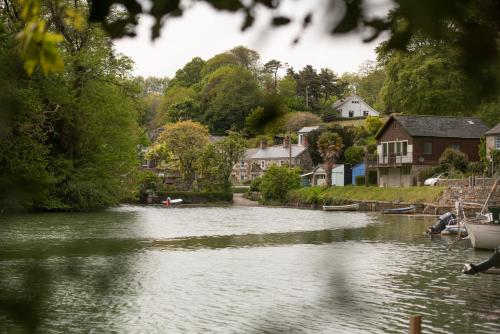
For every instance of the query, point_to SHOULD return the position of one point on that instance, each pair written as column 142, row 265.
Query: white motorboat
column 483, row 234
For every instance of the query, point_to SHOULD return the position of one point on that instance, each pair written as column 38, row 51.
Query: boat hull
column 349, row 207
column 484, row 236
column 410, row 209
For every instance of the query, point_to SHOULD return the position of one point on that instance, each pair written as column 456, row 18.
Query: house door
column 394, row 177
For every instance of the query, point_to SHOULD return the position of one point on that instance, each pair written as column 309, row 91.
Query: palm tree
column 329, row 146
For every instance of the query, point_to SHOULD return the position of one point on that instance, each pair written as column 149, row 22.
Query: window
column 427, row 148
column 351, row 113
column 281, row 162
column 391, row 149
column 455, row 146
column 242, row 163
column 406, row 170
column 242, row 178
column 497, row 142
column 263, row 164
column 405, row 148
column 355, row 101
column 365, row 113
column 384, row 149
column 301, row 139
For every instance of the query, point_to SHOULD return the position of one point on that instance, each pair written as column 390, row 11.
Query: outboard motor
column 443, row 220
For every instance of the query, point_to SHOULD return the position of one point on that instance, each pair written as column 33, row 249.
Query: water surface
column 237, row 270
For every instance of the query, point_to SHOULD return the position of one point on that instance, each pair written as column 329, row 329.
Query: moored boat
column 347, row 207
column 408, row 209
column 484, row 233
column 171, row 202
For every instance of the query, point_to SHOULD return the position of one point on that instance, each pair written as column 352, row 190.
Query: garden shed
column 342, row 175
column 358, row 170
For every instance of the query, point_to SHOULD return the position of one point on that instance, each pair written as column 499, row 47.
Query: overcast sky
column 204, row 32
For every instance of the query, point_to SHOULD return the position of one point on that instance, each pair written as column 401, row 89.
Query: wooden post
column 415, row 324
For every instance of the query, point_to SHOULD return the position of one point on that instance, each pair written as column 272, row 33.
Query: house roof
column 494, row 131
column 307, row 129
column 249, row 152
column 438, row 126
column 278, row 152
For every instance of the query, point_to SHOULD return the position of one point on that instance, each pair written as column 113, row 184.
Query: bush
column 452, row 159
column 354, row 154
column 359, row 180
column 277, row 181
column 476, row 168
column 255, row 185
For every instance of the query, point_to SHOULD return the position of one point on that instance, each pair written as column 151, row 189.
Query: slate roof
column 439, row 126
column 494, row 131
column 278, row 152
column 307, row 129
column 249, row 152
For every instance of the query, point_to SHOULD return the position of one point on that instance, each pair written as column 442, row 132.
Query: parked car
column 432, row 181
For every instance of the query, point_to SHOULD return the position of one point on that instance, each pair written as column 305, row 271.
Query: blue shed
column 358, row 170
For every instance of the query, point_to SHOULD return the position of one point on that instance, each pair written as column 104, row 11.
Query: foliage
column 329, row 146
column 185, row 141
column 296, row 121
column 373, row 124
column 453, row 160
column 227, row 98
column 256, row 183
column 217, row 161
column 427, row 80
column 321, row 195
column 277, row 181
column 354, row 155
column 359, row 180
column 190, row 74
column 367, row 83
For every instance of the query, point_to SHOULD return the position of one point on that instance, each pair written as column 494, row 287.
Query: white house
column 354, row 106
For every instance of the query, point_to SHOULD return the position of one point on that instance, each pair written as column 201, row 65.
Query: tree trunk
column 328, row 171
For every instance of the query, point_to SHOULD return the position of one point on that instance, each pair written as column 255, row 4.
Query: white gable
column 354, row 106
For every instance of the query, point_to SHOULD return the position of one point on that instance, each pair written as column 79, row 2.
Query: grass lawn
column 341, row 195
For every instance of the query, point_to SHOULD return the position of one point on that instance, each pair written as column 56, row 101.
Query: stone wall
column 471, row 189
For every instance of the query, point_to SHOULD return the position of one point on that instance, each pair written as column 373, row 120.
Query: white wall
column 358, row 108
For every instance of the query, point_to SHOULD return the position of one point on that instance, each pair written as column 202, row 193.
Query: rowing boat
column 347, row 207
column 408, row 209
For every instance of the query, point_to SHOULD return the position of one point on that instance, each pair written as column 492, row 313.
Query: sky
column 204, row 32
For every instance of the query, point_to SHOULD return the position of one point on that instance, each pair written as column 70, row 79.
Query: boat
column 454, row 229
column 171, row 202
column 346, row 207
column 408, row 209
column 484, row 232
column 443, row 221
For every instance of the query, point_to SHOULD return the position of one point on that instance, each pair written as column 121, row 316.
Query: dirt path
column 239, row 200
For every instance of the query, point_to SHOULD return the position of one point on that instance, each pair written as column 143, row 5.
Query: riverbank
column 345, row 195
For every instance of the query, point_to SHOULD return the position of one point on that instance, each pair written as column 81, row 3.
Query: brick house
column 257, row 160
column 407, row 144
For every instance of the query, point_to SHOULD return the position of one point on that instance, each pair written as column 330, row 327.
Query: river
column 136, row 269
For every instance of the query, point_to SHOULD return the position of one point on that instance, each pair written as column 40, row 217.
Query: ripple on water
column 247, row 270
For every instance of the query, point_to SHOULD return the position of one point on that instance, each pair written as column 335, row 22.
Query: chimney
column 263, row 144
column 286, row 142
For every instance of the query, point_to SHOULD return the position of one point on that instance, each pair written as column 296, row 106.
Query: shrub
column 476, row 168
column 277, row 181
column 193, row 197
column 359, row 180
column 354, row 154
column 452, row 159
column 255, row 185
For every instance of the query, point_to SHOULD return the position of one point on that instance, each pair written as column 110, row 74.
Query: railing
column 392, row 159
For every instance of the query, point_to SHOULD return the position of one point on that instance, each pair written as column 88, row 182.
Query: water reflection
column 227, row 270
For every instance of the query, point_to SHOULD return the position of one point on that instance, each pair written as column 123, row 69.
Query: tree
column 218, row 160
column 190, row 74
column 272, row 67
column 277, row 181
column 227, row 97
column 354, row 154
column 427, row 80
column 217, row 61
column 246, row 58
column 373, row 124
column 453, row 160
column 330, row 146
column 309, row 86
column 185, row 141
column 182, row 110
